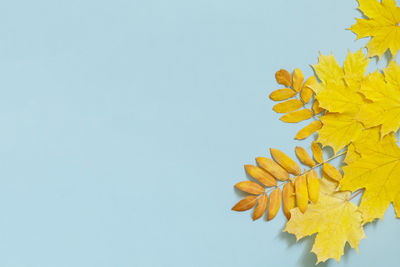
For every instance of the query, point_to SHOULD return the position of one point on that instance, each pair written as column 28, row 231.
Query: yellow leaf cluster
column 296, row 95
column 363, row 112
column 356, row 114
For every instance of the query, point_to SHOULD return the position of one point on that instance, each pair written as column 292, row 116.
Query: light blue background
column 125, row 124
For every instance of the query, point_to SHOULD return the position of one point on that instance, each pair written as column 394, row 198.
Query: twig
column 356, row 194
column 310, row 169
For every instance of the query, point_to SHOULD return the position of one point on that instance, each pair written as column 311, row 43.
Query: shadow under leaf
column 307, row 258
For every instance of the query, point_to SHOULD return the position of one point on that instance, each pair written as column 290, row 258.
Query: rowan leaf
column 316, row 108
column 250, row 187
column 313, row 186
column 334, row 220
column 331, row 172
column 308, row 130
column 259, row 210
column 245, row 204
column 285, row 161
column 282, row 94
column 318, row 154
column 297, row 116
column 288, row 106
column 289, row 198
column 294, row 85
column 381, row 24
column 378, row 171
column 301, row 191
column 303, row 156
column 298, row 79
column 273, row 168
column 307, row 92
column 274, row 205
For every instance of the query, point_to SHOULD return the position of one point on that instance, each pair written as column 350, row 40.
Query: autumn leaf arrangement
column 354, row 113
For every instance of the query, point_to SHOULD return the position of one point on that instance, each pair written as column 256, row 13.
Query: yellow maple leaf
column 333, row 218
column 338, row 93
column 328, row 70
column 338, row 90
column 377, row 169
column 381, row 24
column 384, row 93
column 339, row 130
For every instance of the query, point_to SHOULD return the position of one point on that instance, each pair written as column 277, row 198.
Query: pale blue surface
column 125, row 124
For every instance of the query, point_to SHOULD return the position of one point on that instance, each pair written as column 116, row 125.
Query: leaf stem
column 310, row 169
column 322, row 163
column 356, row 194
